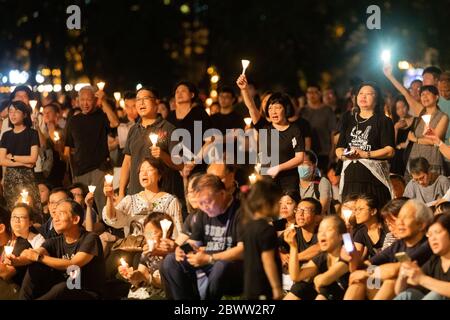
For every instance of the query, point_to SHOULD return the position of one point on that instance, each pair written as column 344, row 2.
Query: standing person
column 18, row 154
column 87, row 137
column 370, row 136
column 131, row 117
column 290, row 140
column 262, row 265
column 138, row 147
column 401, row 127
column 227, row 118
column 323, row 123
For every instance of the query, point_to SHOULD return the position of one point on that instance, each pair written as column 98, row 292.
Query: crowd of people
column 353, row 202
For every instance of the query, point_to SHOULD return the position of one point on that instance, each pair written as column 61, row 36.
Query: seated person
column 398, row 185
column 324, row 277
column 432, row 280
column 145, row 280
column 75, row 252
column 22, row 225
column 288, row 203
column 389, row 213
column 412, row 223
column 10, row 277
column 312, row 185
column 425, row 185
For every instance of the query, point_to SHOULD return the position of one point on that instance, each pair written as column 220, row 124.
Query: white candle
column 151, row 244
column 9, row 250
column 165, row 225
column 122, row 103
column 109, row 178
column 56, row 136
column 33, row 104
column 252, row 178
column 292, row 226
column 426, row 118
column 347, row 214
column 258, row 168
column 245, row 64
column 101, row 85
column 208, row 111
column 92, row 189
column 386, row 56
column 248, row 121
column 153, row 138
column 24, row 195
column 123, row 263
column 117, row 96
column 41, row 110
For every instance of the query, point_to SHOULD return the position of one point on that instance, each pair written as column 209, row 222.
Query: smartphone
column 402, row 257
column 348, row 243
column 187, row 248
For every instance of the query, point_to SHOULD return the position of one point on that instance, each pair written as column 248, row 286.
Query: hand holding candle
column 92, row 189
column 56, row 136
column 346, row 214
column 123, row 263
column 109, row 179
column 8, row 250
column 252, row 178
column 165, row 226
column 101, row 85
column 245, row 64
column 33, row 104
column 248, row 121
column 117, row 96
column 154, row 139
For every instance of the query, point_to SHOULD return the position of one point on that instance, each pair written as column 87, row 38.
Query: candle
column 426, row 118
column 292, row 226
column 24, row 195
column 248, row 121
column 386, row 56
column 117, row 96
column 165, row 225
column 208, row 111
column 101, row 85
column 151, row 244
column 56, row 136
column 122, row 103
column 153, row 138
column 92, row 189
column 109, row 178
column 245, row 64
column 123, row 263
column 252, row 178
column 41, row 110
column 258, row 168
column 9, row 250
column 347, row 214
column 33, row 104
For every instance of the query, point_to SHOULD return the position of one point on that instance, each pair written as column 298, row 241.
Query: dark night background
column 289, row 43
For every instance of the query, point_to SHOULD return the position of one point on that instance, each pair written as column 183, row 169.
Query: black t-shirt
column 196, row 114
column 421, row 252
column 361, row 236
column 304, row 126
column 433, row 268
column 138, row 146
column 20, row 245
column 289, row 143
column 93, row 273
column 190, row 220
column 47, row 230
column 259, row 236
column 88, row 135
column 19, row 144
column 322, row 266
column 222, row 122
column 370, row 134
column 219, row 233
column 302, row 244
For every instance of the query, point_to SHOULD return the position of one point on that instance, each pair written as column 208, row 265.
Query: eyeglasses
column 275, row 108
column 145, row 99
column 304, row 211
column 19, row 218
column 429, row 234
column 361, row 209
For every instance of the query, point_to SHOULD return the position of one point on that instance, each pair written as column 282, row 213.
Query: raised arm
column 248, row 99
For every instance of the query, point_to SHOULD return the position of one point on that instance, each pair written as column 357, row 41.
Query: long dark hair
column 379, row 101
column 26, row 110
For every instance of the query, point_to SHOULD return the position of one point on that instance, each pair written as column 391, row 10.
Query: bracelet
column 439, row 144
column 368, row 154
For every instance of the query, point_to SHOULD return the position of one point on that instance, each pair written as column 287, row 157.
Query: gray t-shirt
column 427, row 194
column 323, row 123
column 321, row 190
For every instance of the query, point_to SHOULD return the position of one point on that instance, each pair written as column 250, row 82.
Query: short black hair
column 148, row 88
column 444, row 220
column 418, row 165
column 284, row 100
column 23, row 88
column 431, row 89
column 435, row 71
column 128, row 95
column 393, row 207
column 316, row 203
column 82, row 186
column 293, row 194
column 416, row 81
column 156, row 217
column 60, row 189
column 192, row 88
column 227, row 89
column 54, row 106
column 312, row 156
column 158, row 165
column 25, row 109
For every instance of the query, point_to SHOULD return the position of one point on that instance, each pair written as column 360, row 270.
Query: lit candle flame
column 165, row 225
column 252, row 178
column 117, row 96
column 101, row 85
column 122, row 103
column 258, row 168
column 245, row 64
column 56, row 136
column 248, row 121
column 109, row 178
column 92, row 189
column 153, row 138
column 292, row 226
column 208, row 111
column 24, row 195
column 123, row 263
column 347, row 214
column 426, row 118
column 33, row 104
column 9, row 250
